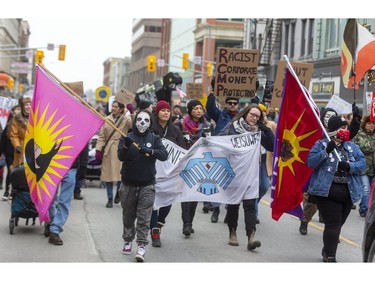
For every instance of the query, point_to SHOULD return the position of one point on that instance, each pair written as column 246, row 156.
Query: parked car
column 368, row 243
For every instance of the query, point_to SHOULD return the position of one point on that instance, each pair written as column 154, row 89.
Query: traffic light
column 39, row 55
column 62, row 52
column 209, row 69
column 10, row 84
column 20, row 88
column 185, row 61
column 151, row 63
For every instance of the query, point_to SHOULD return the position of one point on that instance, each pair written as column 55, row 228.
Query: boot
column 109, row 203
column 186, row 230
column 155, row 236
column 233, row 238
column 252, row 243
column 303, row 228
column 215, row 215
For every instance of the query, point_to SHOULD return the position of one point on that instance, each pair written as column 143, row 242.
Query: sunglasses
column 232, row 102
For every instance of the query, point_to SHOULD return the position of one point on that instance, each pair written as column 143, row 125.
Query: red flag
column 372, row 108
column 59, row 127
column 297, row 131
column 357, row 53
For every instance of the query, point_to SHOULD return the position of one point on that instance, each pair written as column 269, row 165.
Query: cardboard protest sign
column 77, row 87
column 124, row 96
column 304, row 72
column 194, row 90
column 236, row 73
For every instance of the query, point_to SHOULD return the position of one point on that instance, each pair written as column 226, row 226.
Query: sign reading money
column 236, row 73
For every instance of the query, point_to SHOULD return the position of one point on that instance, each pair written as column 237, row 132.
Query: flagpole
column 66, row 87
column 310, row 101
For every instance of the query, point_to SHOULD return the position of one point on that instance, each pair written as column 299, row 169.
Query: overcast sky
column 89, row 42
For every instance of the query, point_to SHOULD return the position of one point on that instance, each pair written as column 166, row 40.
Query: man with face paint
column 139, row 151
column 335, row 184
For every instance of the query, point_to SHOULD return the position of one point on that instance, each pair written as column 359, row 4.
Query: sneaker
column 362, row 215
column 140, row 256
column 215, row 215
column 205, row 209
column 55, row 239
column 117, row 197
column 78, row 196
column 303, row 228
column 127, row 250
column 6, row 196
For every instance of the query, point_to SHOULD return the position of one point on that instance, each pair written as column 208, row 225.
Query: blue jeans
column 59, row 210
column 366, row 182
column 109, row 186
column 264, row 180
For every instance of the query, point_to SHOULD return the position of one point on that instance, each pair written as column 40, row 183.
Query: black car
column 368, row 243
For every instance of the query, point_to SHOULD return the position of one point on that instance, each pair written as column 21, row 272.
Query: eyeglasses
column 232, row 102
column 254, row 115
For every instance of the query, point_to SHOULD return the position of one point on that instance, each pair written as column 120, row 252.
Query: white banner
column 223, row 169
column 6, row 105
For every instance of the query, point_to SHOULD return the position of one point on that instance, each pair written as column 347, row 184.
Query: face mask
column 143, row 122
column 344, row 135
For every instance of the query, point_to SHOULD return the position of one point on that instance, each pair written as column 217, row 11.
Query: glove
column 344, row 166
column 330, row 146
column 18, row 149
column 128, row 142
column 98, row 155
column 262, row 127
column 356, row 113
column 81, row 173
column 145, row 150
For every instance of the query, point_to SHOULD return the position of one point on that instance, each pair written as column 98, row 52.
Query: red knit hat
column 162, row 105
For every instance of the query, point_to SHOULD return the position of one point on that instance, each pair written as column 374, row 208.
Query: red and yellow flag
column 297, row 131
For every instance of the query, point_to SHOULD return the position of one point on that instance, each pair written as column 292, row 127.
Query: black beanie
column 335, row 123
column 192, row 104
column 144, row 104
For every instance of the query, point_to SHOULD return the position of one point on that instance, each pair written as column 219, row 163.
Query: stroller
column 94, row 166
column 22, row 205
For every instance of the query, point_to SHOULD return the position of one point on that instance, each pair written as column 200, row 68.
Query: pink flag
column 59, row 127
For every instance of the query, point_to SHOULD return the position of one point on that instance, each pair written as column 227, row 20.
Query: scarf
column 240, row 126
column 195, row 129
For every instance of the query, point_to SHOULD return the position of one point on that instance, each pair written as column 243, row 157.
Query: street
column 92, row 234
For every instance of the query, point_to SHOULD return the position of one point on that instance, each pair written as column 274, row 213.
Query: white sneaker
column 127, row 250
column 140, row 257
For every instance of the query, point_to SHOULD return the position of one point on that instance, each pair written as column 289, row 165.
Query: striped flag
column 357, row 53
column 58, row 128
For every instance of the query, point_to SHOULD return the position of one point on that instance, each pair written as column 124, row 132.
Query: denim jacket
column 325, row 167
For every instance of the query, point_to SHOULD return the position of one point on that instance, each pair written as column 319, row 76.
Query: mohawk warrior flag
column 297, row 131
column 357, row 53
column 58, row 129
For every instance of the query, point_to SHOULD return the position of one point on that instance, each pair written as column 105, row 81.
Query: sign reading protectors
column 303, row 71
column 236, row 73
column 194, row 91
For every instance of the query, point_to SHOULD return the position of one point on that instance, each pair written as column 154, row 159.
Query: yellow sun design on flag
column 290, row 149
column 46, row 134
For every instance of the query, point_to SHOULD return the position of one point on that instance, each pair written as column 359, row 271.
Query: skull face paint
column 143, row 122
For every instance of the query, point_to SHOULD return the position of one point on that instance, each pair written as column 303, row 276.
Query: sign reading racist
column 236, row 73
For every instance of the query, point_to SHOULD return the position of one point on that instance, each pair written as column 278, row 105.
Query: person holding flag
column 335, row 182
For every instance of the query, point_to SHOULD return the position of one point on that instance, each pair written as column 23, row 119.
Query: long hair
column 246, row 110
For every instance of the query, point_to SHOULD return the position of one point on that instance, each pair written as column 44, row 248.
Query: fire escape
column 269, row 40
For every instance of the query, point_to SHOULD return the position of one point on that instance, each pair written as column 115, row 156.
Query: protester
column 221, row 118
column 165, row 129
column 335, row 183
column 138, row 172
column 365, row 139
column 7, row 150
column 106, row 150
column 17, row 131
column 60, row 206
column 250, row 119
column 194, row 126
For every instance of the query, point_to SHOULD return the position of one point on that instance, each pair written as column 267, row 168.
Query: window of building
column 303, row 37
column 151, row 28
column 235, row 19
column 310, row 37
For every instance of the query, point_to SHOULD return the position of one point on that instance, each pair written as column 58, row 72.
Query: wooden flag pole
column 66, row 87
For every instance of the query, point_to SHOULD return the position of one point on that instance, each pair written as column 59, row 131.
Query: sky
column 89, row 42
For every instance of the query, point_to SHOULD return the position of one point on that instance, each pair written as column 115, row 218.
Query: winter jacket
column 221, row 117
